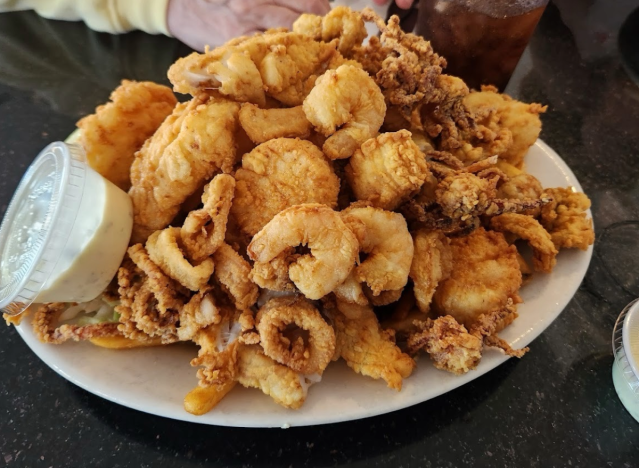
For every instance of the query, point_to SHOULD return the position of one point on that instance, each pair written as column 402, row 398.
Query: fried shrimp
column 203, row 230
column 166, row 251
column 282, row 64
column 285, row 386
column 277, row 323
column 366, row 348
column 189, row 147
column 485, row 275
column 118, row 129
column 566, row 220
column 432, row 263
column 278, row 174
column 266, row 124
column 333, row 247
column 340, row 23
column 528, row 228
column 386, row 240
column 387, row 170
column 232, row 272
column 200, row 312
column 347, row 106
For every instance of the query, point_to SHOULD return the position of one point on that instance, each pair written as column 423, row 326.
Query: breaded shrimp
column 333, row 247
column 387, row 170
column 349, row 99
column 386, row 240
column 340, row 23
column 278, row 174
column 566, row 220
column 266, row 124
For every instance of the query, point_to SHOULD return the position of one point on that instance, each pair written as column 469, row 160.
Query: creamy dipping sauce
column 96, row 245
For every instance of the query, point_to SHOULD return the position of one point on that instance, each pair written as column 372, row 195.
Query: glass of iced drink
column 482, row 40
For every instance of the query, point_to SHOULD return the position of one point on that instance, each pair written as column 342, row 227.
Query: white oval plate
column 155, row 380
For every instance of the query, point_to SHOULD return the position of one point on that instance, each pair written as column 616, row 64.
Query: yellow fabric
column 113, row 16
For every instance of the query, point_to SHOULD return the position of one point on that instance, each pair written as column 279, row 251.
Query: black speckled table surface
column 555, row 408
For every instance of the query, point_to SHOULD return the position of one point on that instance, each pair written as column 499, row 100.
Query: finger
column 404, row 4
column 380, row 2
column 272, row 16
column 317, row 7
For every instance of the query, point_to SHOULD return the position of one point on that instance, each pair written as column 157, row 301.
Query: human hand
column 198, row 23
column 404, row 4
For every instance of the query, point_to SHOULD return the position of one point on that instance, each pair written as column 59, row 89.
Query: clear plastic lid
column 625, row 346
column 38, row 223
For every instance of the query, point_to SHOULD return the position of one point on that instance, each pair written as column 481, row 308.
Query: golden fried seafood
column 118, row 129
column 566, row 220
column 266, row 124
column 384, row 237
column 484, row 276
column 333, row 247
column 340, row 23
column 282, row 64
column 285, row 386
column 387, row 170
column 273, row 275
column 520, row 119
column 366, row 348
column 528, row 228
column 204, row 230
column 283, row 322
column 189, row 147
column 278, row 174
column 351, row 290
column 232, row 272
column 165, row 250
column 200, row 312
column 448, row 344
column 48, row 327
column 432, row 263
column 487, row 325
column 347, row 106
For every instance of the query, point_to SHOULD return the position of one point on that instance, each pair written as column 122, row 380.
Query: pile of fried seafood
column 320, row 199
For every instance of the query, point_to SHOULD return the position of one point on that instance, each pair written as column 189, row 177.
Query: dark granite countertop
column 556, row 407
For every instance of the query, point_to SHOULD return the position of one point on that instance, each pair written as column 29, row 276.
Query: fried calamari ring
column 273, row 320
column 528, row 228
column 232, row 272
column 204, row 229
column 333, row 247
column 164, row 250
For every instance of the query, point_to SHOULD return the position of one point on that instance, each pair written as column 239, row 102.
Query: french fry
column 201, row 400
column 120, row 342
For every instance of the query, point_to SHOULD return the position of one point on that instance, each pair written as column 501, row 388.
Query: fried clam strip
column 282, row 64
column 340, row 23
column 384, row 237
column 432, row 263
column 232, row 272
column 150, row 301
column 566, row 220
column 165, row 250
column 266, row 124
column 366, row 348
column 194, row 142
column 48, row 330
column 346, row 106
column 529, row 229
column 285, row 386
column 283, row 323
column 118, row 128
column 455, row 349
column 204, row 230
column 333, row 247
column 387, row 170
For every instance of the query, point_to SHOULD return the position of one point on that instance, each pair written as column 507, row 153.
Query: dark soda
column 482, row 40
